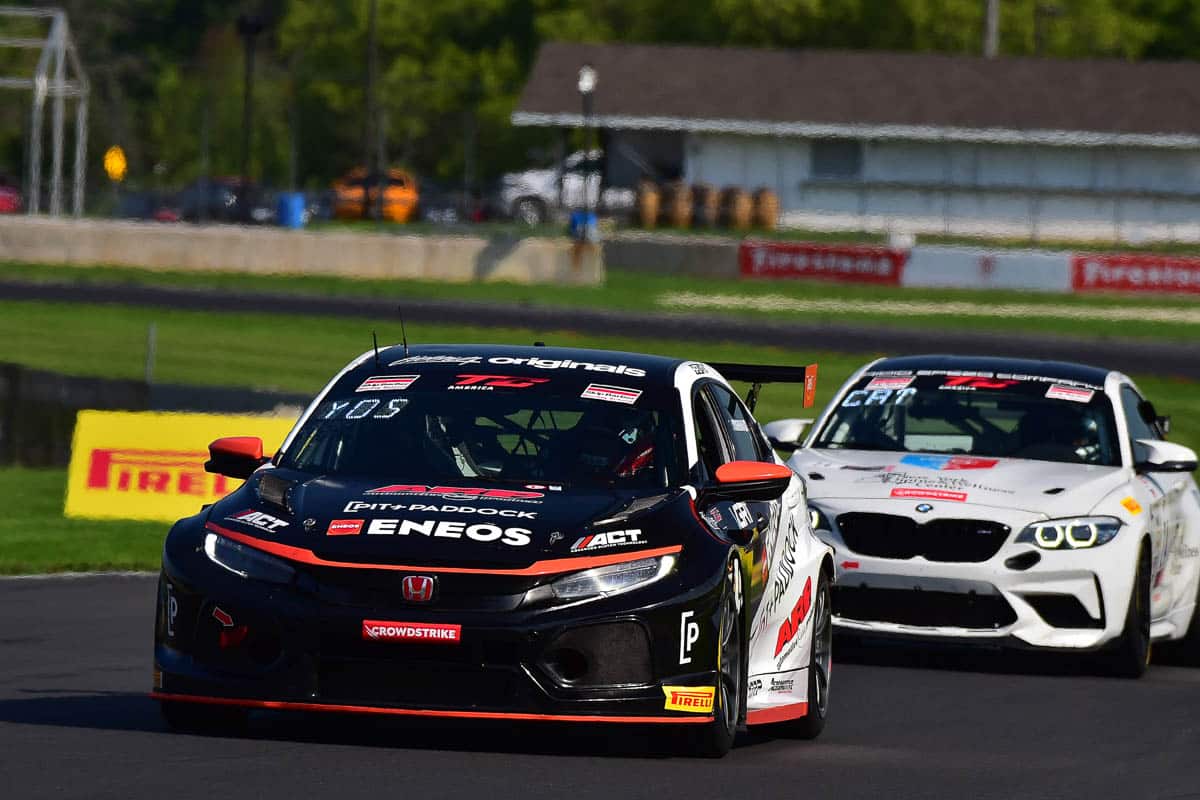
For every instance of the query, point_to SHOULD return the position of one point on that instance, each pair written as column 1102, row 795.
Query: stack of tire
column 680, row 205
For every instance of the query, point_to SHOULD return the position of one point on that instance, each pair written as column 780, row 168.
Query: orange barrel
column 648, row 200
column 766, row 208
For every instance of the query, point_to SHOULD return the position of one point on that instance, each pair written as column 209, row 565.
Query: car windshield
column 934, row 411
column 502, row 428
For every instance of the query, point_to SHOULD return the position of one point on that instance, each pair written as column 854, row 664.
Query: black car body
column 513, row 533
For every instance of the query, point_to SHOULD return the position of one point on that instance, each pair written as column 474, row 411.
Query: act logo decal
column 599, row 541
column 697, row 699
column 259, row 519
column 791, row 625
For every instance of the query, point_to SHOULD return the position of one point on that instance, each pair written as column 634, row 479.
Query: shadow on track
column 882, row 652
column 125, row 711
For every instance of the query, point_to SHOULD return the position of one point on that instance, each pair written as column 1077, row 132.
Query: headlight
column 1071, row 534
column 246, row 561
column 604, row 581
column 818, row 520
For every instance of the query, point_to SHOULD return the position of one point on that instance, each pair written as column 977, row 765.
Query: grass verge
column 1075, row 315
column 300, row 354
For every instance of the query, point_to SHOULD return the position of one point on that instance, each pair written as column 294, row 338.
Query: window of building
column 836, row 159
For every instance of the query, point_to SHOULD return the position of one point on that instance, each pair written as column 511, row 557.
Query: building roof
column 869, row 94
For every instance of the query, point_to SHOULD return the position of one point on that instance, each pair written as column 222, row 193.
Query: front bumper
column 1070, row 600
column 227, row 640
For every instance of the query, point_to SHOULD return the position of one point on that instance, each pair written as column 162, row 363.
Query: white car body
column 1003, row 597
column 530, row 196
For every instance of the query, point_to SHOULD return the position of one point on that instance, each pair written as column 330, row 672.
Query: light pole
column 248, row 27
column 587, row 86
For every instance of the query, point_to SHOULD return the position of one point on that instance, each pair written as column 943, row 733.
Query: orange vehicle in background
column 399, row 195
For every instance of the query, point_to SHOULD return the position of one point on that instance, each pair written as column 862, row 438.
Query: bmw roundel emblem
column 924, row 508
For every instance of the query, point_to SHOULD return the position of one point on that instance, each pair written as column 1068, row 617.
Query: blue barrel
column 582, row 226
column 291, row 209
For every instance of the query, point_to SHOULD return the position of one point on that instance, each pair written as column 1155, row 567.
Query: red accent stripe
column 551, row 566
column 766, row 716
column 421, row 712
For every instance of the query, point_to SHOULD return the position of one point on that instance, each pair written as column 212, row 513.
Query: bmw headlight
column 604, row 581
column 1074, row 533
column 818, row 520
column 246, row 561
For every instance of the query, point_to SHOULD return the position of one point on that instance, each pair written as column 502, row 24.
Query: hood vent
column 638, row 505
column 1055, row 490
column 275, row 491
column 816, row 476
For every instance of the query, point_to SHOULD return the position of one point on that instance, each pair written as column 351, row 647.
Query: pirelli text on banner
column 150, row 465
column 844, row 263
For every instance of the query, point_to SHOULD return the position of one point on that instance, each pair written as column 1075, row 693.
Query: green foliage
column 167, row 73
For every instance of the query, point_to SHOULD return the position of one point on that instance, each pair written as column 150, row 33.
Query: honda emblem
column 417, row 588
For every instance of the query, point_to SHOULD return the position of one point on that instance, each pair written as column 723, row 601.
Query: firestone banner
column 150, row 466
column 845, row 263
column 1135, row 272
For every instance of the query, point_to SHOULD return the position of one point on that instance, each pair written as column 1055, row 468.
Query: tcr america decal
column 488, row 383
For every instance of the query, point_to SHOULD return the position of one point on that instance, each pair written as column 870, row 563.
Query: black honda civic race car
column 510, row 533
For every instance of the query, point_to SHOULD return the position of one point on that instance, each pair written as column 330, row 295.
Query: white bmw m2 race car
column 1006, row 501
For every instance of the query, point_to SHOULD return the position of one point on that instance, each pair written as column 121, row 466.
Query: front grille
column 923, row 608
column 606, row 654
column 891, row 536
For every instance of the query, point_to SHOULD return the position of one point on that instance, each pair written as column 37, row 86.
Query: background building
column 887, row 141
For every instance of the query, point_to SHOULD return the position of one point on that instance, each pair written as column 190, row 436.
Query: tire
column 820, row 665
column 715, row 738
column 530, row 211
column 1129, row 656
column 204, row 719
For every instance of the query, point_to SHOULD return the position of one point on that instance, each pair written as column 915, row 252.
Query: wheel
column 1130, row 654
column 715, row 739
column 820, row 665
column 530, row 211
column 203, row 719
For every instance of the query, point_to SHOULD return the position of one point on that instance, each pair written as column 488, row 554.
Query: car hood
column 481, row 525
column 1042, row 487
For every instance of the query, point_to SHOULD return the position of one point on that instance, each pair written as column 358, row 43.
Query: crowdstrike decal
column 385, row 631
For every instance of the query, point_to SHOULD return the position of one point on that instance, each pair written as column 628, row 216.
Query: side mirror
column 235, row 456
column 1153, row 455
column 786, row 434
column 748, row 481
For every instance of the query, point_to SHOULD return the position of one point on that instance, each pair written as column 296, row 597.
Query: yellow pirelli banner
column 150, row 465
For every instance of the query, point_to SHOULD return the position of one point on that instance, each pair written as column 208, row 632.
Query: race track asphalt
column 75, row 722
column 1147, row 356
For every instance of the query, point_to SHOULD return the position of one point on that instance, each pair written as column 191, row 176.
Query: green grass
column 35, row 537
column 636, row 291
column 300, row 354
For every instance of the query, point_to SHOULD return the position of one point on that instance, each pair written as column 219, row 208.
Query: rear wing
column 757, row 374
